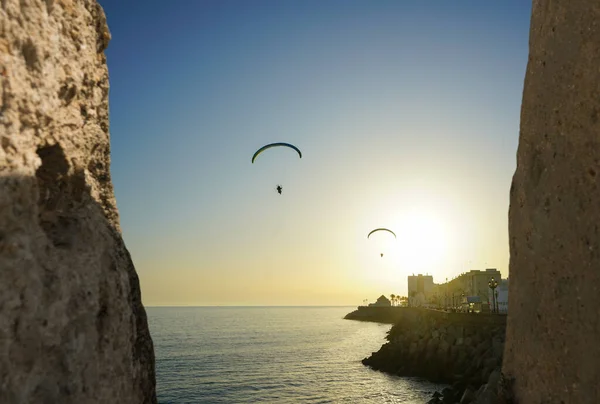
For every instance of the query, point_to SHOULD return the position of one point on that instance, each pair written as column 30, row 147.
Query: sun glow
column 422, row 242
column 422, row 245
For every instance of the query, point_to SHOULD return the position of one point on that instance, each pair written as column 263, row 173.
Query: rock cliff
column 553, row 326
column 72, row 325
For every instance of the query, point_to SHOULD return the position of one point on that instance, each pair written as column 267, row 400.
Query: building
column 381, row 302
column 469, row 290
column 420, row 290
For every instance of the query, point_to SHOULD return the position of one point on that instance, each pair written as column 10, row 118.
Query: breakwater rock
column 464, row 350
column 386, row 315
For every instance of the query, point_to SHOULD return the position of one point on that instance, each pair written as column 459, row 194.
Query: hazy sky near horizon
column 406, row 112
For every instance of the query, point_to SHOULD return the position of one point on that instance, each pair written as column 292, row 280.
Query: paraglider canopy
column 381, row 229
column 259, row 151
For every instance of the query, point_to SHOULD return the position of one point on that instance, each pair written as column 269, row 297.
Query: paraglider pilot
column 279, row 189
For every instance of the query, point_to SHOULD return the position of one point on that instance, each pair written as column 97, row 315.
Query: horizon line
column 277, row 305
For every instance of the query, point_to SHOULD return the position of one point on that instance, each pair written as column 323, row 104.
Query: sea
column 272, row 355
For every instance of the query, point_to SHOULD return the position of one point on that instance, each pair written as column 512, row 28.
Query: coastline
column 462, row 350
column 384, row 315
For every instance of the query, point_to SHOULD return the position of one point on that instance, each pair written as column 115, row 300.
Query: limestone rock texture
column 72, row 325
column 552, row 352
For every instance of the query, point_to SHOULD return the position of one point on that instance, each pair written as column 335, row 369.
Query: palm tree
column 393, row 298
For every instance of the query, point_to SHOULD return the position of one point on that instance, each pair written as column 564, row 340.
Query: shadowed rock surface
column 552, row 350
column 461, row 349
column 384, row 315
column 72, row 325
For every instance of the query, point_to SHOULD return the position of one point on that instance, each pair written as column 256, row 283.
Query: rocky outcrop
column 553, row 327
column 72, row 325
column 384, row 315
column 464, row 350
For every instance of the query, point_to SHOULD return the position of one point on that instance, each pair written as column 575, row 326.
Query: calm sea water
column 272, row 355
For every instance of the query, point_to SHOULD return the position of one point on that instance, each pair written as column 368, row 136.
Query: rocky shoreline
column 385, row 315
column 463, row 350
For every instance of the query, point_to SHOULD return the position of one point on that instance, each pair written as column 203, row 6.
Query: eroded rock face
column 552, row 347
column 72, row 326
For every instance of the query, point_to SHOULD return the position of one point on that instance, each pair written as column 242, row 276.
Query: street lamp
column 446, row 296
column 497, row 304
column 493, row 284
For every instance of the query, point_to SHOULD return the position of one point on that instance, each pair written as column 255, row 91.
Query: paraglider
column 279, row 188
column 381, row 229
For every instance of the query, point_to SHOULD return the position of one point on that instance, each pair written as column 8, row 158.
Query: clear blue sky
column 407, row 114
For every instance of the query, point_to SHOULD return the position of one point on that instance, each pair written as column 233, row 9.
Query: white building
column 470, row 284
column 420, row 289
